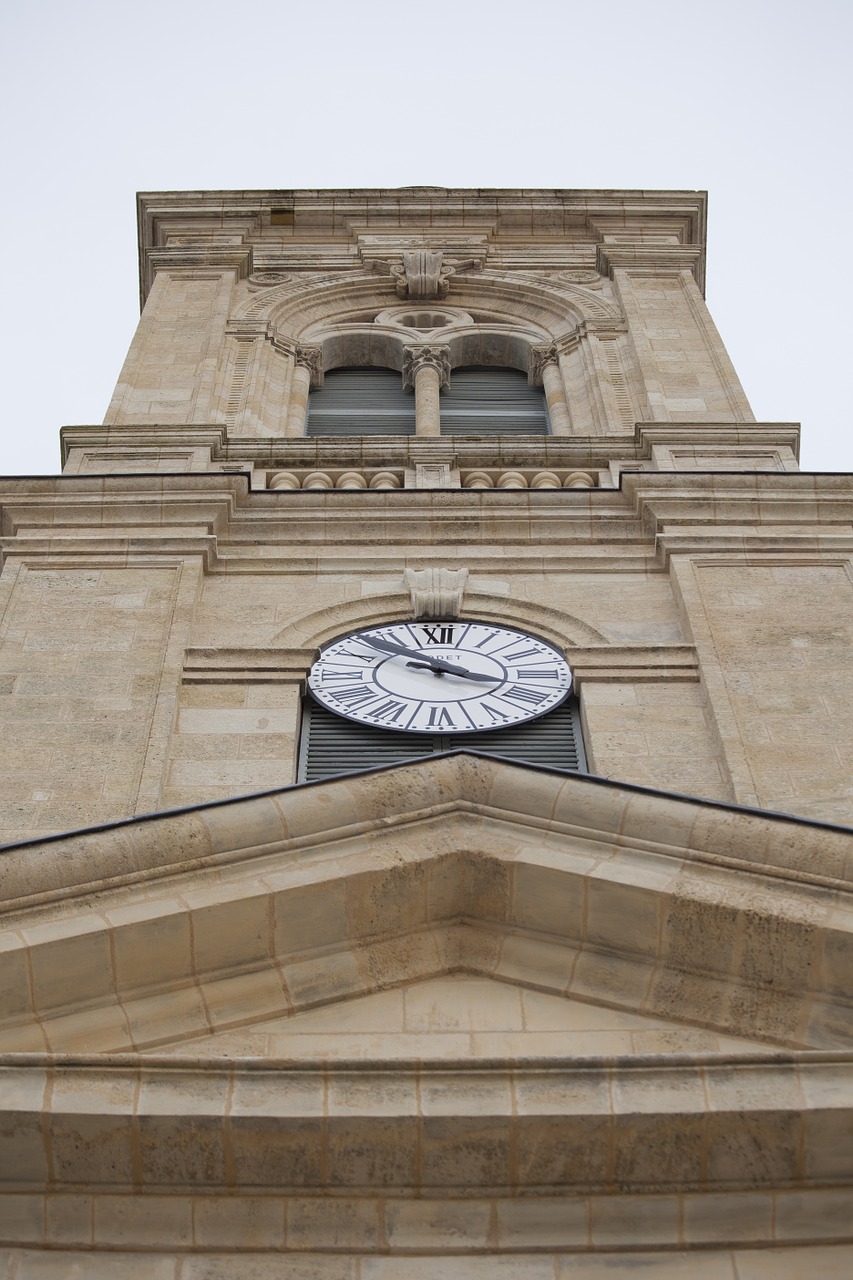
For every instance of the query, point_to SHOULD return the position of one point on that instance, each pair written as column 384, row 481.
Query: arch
column 511, row 316
column 292, row 308
column 312, row 630
column 359, row 347
column 348, row 346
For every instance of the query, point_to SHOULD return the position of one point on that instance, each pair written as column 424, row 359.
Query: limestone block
column 776, row 642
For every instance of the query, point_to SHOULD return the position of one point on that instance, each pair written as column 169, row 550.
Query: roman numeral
column 541, row 673
column 438, row 634
column 524, row 697
column 371, row 656
column 494, row 713
column 525, row 653
column 389, row 711
column 440, row 718
column 486, row 639
column 355, row 695
column 328, row 675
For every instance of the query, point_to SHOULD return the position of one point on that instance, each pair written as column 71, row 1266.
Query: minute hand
column 391, row 646
column 450, row 669
column 423, row 660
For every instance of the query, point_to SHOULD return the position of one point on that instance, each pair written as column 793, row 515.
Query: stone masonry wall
column 169, row 375
column 686, row 369
column 775, row 644
column 81, row 661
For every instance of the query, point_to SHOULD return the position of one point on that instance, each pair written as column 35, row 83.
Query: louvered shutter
column 494, row 402
column 332, row 745
column 361, row 402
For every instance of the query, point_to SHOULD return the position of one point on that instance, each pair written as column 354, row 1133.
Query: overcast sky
column 751, row 101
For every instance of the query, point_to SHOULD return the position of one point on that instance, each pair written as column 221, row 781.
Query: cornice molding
column 656, row 258
column 443, row 218
column 213, row 258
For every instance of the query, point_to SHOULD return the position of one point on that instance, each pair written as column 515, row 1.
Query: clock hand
column 388, row 646
column 438, row 665
column 434, row 664
column 440, row 668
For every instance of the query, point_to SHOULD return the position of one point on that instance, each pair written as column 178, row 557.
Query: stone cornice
column 693, row 832
column 196, row 258
column 247, row 666
column 580, row 219
column 636, row 662
column 738, row 435
column 218, row 1117
column 652, row 257
column 655, row 903
column 594, row 662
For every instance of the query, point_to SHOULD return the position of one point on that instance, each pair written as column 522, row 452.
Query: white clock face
column 440, row 677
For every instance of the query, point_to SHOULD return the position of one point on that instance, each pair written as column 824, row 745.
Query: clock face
column 440, row 677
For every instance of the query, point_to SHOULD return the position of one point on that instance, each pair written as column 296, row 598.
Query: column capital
column 311, row 358
column 537, row 359
column 415, row 358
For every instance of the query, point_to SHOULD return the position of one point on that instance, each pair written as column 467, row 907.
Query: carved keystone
column 436, row 593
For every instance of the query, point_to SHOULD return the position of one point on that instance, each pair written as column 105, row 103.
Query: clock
column 440, row 677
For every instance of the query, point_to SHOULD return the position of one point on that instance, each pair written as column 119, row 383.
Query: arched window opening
column 361, row 402
column 494, row 402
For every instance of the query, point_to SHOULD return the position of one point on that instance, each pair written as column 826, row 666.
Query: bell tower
column 471, row 384
column 427, row 762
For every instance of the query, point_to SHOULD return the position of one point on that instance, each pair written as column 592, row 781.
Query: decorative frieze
column 492, row 478
column 335, row 480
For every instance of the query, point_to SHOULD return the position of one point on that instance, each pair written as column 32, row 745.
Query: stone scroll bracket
column 436, row 593
column 422, row 272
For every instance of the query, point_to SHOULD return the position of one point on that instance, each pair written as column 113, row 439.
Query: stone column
column 427, row 369
column 307, row 373
column 544, row 371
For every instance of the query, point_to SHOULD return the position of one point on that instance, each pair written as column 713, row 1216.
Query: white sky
column 751, row 101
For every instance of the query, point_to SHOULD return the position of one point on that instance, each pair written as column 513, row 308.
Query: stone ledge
column 330, row 1224
column 617, row 1126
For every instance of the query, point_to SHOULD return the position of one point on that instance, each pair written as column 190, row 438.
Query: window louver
column 494, row 402
column 331, row 745
column 361, row 402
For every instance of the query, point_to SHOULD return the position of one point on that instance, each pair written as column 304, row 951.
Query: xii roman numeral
column 438, row 634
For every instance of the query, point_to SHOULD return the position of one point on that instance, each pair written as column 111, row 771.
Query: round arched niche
column 426, row 318
column 364, row 347
column 482, row 348
column 360, row 347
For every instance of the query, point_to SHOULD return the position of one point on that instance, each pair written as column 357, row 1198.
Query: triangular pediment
column 198, row 925
column 459, row 1017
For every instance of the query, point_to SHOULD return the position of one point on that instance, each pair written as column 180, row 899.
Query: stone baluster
column 427, row 369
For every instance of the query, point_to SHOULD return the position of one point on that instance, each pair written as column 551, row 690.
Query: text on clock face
column 440, row 677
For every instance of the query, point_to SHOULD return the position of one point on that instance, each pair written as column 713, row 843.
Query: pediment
column 458, row 1017
column 203, row 923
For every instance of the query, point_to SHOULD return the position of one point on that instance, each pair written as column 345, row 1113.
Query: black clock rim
column 425, row 733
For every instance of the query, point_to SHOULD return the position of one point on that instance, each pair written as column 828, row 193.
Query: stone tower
column 427, row 767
